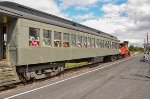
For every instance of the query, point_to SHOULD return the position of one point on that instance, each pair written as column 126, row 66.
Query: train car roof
column 30, row 13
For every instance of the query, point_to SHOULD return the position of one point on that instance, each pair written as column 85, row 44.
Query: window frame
column 57, row 42
column 37, row 42
column 89, row 42
column 79, row 41
column 73, row 40
column 66, row 42
column 84, row 43
column 50, row 37
column 93, row 42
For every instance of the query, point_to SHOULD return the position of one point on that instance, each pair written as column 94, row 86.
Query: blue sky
column 95, row 9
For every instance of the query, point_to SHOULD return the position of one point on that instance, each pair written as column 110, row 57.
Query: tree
column 135, row 48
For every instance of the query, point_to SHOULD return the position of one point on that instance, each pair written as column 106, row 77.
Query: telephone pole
column 146, row 43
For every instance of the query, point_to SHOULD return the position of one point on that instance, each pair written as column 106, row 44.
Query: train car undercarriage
column 45, row 70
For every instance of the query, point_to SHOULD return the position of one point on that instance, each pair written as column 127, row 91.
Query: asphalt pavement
column 123, row 80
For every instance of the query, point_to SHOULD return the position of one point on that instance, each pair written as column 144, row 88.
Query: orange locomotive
column 124, row 52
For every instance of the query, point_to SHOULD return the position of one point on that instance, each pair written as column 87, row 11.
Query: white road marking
column 26, row 92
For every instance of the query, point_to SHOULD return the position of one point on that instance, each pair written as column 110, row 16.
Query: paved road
column 125, row 80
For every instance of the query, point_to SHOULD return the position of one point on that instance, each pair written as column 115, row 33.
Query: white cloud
column 81, row 8
column 81, row 4
column 133, row 26
column 49, row 6
column 84, row 17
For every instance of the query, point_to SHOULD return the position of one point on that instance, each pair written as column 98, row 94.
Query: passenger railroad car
column 35, row 44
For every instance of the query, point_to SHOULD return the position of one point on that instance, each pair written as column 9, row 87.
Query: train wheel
column 27, row 76
column 22, row 78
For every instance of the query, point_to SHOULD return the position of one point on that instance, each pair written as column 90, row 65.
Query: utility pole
column 147, row 45
column 147, row 38
column 144, row 45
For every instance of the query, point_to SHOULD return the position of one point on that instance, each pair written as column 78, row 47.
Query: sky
column 126, row 19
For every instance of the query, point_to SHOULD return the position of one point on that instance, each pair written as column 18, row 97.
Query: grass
column 72, row 65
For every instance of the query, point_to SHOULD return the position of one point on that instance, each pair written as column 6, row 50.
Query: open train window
column 93, row 42
column 84, row 41
column 34, row 36
column 89, row 42
column 57, row 39
column 47, row 38
column 117, row 45
column 111, row 45
column 98, row 43
column 79, row 41
column 73, row 40
column 66, row 40
column 106, row 43
column 102, row 43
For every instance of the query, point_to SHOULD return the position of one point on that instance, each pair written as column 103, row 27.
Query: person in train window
column 34, row 42
column 79, row 44
column 57, row 43
column 66, row 44
column 47, row 43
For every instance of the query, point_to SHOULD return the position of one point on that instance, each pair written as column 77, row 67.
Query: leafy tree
column 135, row 48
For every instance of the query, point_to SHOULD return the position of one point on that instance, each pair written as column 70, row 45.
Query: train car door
column 3, row 41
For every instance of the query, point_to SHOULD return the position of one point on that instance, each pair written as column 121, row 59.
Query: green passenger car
column 35, row 45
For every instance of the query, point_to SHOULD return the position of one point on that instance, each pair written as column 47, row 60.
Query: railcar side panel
column 41, row 54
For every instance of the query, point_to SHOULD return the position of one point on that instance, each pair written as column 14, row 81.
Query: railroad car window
column 57, row 39
column 89, row 42
column 117, row 46
column 84, row 41
column 105, row 44
column 34, row 36
column 79, row 41
column 73, row 40
column 66, row 40
column 102, row 46
column 114, row 45
column 98, row 43
column 101, row 43
column 108, row 44
column 47, row 38
column 111, row 45
column 93, row 42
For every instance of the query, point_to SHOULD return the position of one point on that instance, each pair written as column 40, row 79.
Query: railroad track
column 69, row 71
